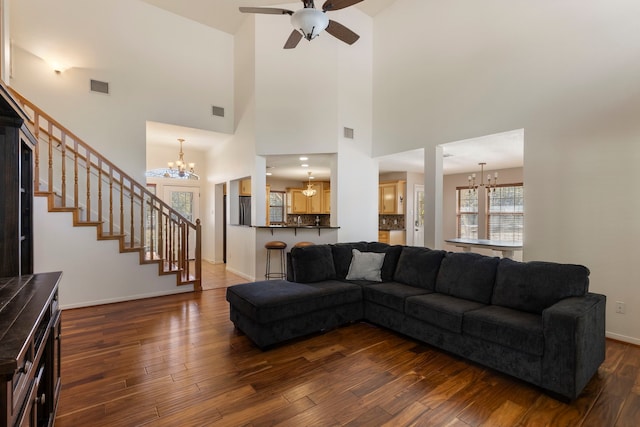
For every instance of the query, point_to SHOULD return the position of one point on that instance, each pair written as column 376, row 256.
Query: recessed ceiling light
column 304, row 158
column 269, row 174
column 304, row 165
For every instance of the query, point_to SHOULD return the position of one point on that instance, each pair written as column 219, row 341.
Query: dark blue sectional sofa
column 536, row 321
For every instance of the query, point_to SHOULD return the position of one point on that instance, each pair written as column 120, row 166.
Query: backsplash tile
column 391, row 222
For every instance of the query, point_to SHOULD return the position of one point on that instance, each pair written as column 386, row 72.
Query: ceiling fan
column 309, row 22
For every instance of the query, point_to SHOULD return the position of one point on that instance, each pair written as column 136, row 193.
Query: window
column 182, row 201
column 467, row 213
column 276, row 207
column 505, row 215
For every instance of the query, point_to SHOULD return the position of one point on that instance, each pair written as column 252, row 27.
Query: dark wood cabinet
column 16, row 189
column 29, row 349
column 29, row 312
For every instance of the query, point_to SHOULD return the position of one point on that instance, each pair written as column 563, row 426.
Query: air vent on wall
column 348, row 133
column 100, row 87
column 217, row 111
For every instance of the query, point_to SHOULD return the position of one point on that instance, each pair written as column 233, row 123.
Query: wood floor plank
column 178, row 361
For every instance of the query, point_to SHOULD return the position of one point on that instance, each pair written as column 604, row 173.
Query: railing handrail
column 24, row 101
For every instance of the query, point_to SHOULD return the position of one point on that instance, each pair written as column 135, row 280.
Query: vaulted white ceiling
column 224, row 15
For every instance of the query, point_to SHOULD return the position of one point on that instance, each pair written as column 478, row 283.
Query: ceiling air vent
column 100, row 87
column 348, row 133
column 217, row 111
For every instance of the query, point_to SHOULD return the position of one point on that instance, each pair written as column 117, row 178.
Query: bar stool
column 303, row 244
column 279, row 246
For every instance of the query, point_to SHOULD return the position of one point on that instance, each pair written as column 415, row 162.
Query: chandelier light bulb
column 180, row 165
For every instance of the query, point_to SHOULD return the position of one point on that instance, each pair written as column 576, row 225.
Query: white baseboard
column 624, row 338
column 241, row 274
column 178, row 290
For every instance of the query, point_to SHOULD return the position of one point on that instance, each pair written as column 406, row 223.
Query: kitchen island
column 506, row 247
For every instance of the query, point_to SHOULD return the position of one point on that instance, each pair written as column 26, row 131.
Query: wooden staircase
column 76, row 178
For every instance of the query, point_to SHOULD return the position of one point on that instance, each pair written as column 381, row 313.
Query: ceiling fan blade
column 266, row 10
column 341, row 32
column 293, row 39
column 338, row 4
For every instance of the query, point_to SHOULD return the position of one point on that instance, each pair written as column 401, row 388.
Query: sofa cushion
column 392, row 254
column 440, row 310
column 312, row 263
column 391, row 294
column 536, row 285
column 511, row 328
column 467, row 275
column 366, row 266
column 271, row 300
column 418, row 266
column 342, row 253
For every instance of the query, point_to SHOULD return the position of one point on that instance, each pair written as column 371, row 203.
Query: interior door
column 418, row 225
column 185, row 200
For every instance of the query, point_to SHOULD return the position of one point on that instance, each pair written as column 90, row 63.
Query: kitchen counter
column 295, row 228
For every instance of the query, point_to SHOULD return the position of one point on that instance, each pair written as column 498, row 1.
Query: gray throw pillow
column 365, row 266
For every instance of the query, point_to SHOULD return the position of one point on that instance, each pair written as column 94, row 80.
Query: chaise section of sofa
column 535, row 321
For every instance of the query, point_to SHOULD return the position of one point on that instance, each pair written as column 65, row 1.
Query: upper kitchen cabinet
column 391, row 198
column 316, row 204
column 297, row 201
column 327, row 199
column 245, row 187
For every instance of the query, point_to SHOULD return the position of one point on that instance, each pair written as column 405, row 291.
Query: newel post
column 197, row 286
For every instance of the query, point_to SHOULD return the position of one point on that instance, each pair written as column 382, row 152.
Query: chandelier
column 490, row 185
column 310, row 191
column 180, row 165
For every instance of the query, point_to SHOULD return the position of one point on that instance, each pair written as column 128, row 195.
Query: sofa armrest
column 574, row 334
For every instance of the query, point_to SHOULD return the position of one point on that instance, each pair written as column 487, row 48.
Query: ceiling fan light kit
column 310, row 22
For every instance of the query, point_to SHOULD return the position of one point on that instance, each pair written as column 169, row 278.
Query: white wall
column 159, row 66
column 235, row 159
column 95, row 272
column 304, row 99
column 565, row 72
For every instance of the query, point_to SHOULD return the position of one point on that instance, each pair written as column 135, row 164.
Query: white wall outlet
column 619, row 307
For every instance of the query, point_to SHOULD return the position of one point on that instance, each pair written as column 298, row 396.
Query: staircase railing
column 78, row 179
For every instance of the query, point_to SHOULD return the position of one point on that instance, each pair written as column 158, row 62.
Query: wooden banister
column 129, row 212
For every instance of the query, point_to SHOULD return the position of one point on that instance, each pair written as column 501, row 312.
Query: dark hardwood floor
column 177, row 361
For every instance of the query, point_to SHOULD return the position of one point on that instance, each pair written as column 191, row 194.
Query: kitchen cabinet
column 391, row 198
column 298, row 203
column 314, row 204
column 327, row 201
column 392, row 237
column 245, row 187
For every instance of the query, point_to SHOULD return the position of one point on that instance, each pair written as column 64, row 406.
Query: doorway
column 185, row 200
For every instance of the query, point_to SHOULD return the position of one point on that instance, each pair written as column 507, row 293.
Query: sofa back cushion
column 467, row 275
column 342, row 254
column 392, row 254
column 536, row 285
column 418, row 267
column 313, row 263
